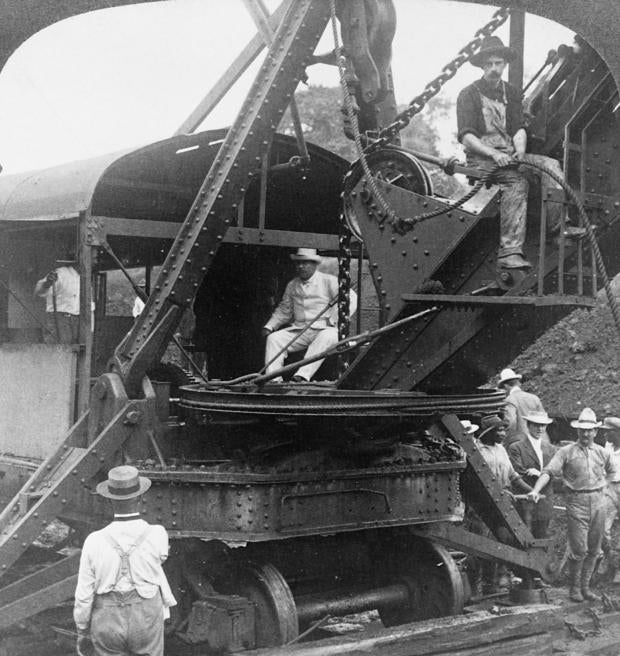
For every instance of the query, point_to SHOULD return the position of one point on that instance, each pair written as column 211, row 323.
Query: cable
column 613, row 305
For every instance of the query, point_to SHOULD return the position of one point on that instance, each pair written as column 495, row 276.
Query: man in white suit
column 305, row 298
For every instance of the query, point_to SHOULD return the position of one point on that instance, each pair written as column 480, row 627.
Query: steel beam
column 232, row 74
column 215, row 207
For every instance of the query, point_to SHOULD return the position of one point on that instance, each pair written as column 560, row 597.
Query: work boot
column 589, row 565
column 574, row 575
column 514, row 261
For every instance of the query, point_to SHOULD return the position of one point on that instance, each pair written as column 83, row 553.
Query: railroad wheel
column 434, row 581
column 276, row 614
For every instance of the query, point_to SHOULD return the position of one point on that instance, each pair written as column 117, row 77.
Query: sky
column 129, row 76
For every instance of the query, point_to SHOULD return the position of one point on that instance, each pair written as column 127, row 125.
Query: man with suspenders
column 122, row 595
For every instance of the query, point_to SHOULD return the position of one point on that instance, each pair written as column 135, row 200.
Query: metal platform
column 292, row 400
column 458, row 300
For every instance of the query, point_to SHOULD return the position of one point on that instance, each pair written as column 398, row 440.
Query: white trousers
column 315, row 340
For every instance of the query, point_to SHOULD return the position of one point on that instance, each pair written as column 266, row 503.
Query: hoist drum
column 391, row 165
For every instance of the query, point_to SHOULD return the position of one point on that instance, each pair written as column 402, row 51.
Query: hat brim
column 505, row 52
column 507, row 380
column 102, row 490
column 305, row 258
column 575, row 423
column 538, row 420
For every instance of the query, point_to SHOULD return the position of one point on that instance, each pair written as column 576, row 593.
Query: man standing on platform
column 61, row 290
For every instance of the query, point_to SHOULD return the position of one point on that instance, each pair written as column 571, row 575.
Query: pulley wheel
column 391, row 165
column 276, row 614
column 433, row 578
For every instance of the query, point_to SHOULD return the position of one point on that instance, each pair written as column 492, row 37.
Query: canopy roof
column 158, row 182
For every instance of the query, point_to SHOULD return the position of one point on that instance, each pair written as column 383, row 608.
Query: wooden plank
column 446, row 635
column 537, row 645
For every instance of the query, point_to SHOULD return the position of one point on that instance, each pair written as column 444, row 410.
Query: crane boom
column 215, row 206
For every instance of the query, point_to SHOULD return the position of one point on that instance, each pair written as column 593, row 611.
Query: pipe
column 350, row 600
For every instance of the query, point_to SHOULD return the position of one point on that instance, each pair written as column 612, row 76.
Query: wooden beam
column 107, row 225
column 446, row 635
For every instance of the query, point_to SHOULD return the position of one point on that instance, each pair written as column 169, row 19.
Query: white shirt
column 67, row 290
column 100, row 565
column 138, row 306
column 615, row 454
column 497, row 458
column 304, row 299
column 536, row 445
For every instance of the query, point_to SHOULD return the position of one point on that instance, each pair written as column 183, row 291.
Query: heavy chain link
column 404, row 118
column 435, row 85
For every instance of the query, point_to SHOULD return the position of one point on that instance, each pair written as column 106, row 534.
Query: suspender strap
column 124, row 567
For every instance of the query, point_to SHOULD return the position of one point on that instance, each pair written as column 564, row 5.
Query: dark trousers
column 63, row 328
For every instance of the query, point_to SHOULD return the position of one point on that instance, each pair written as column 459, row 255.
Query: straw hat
column 306, row 255
column 586, row 419
column 468, row 427
column 123, row 483
column 611, row 423
column 538, row 417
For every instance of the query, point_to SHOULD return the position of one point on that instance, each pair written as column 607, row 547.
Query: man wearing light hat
column 305, row 298
column 585, row 468
column 611, row 425
column 61, row 290
column 122, row 595
column 529, row 455
column 518, row 404
column 492, row 130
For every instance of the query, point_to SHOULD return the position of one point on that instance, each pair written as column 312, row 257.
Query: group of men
column 519, row 453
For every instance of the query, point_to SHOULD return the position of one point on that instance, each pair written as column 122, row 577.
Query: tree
column 322, row 124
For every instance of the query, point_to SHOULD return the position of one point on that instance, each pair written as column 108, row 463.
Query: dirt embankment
column 576, row 363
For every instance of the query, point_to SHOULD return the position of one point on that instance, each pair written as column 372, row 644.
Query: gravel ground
column 576, row 363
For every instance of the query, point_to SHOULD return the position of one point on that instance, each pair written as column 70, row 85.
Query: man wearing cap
column 529, row 456
column 611, row 425
column 61, row 290
column 122, row 595
column 305, row 305
column 492, row 434
column 518, row 404
column 492, row 130
column 585, row 468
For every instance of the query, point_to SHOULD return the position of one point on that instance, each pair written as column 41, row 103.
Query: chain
column 447, row 73
column 404, row 118
column 386, row 210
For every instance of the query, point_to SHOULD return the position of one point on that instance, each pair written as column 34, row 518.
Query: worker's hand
column 83, row 645
column 51, row 278
column 534, row 496
column 265, row 332
column 532, row 472
column 502, row 159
